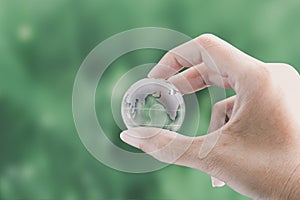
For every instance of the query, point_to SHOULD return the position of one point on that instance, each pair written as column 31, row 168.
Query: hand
column 254, row 140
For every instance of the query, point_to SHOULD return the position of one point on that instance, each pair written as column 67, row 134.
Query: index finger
column 214, row 52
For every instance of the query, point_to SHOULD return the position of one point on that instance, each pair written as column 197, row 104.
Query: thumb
column 167, row 146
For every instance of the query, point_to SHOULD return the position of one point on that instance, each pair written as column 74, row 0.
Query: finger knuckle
column 279, row 72
column 207, row 40
column 289, row 69
column 168, row 56
column 258, row 75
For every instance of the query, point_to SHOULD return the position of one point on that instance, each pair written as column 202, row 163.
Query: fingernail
column 127, row 138
column 217, row 183
column 213, row 184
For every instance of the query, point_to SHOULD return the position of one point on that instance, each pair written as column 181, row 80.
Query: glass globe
column 153, row 103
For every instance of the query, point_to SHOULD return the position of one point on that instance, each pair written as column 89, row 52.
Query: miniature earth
column 153, row 103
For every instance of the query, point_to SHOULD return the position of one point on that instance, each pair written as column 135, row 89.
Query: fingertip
column 138, row 135
column 208, row 40
column 125, row 137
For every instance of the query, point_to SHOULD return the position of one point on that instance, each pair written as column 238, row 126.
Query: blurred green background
column 42, row 45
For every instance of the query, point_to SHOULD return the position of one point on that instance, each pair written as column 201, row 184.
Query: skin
column 253, row 143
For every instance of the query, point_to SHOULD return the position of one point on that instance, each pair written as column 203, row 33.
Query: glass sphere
column 153, row 103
